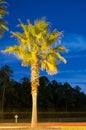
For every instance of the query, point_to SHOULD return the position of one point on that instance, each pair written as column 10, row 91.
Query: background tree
column 52, row 97
column 5, row 75
column 43, row 96
column 3, row 22
column 13, row 96
column 38, row 47
column 25, row 94
column 57, row 94
column 68, row 97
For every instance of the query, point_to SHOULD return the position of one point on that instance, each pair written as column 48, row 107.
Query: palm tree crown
column 37, row 42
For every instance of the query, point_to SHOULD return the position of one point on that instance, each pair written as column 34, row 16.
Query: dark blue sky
column 64, row 15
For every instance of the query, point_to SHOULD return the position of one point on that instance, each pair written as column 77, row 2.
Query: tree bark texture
column 34, row 90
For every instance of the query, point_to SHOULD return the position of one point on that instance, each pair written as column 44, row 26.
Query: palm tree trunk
column 34, row 110
column 34, row 87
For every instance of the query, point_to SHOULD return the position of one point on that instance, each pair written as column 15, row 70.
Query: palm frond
column 50, row 68
column 32, row 31
column 3, row 12
column 52, row 37
column 60, row 57
column 60, row 48
column 16, row 50
column 21, row 53
column 2, row 2
column 51, row 58
column 41, row 24
column 12, row 49
column 25, row 30
column 3, row 27
column 3, row 21
column 19, row 36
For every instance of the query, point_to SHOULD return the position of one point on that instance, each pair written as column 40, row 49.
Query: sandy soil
column 44, row 126
column 26, row 126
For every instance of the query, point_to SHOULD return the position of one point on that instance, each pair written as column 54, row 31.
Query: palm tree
column 37, row 47
column 3, row 12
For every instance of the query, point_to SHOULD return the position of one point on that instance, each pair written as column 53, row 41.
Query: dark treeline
column 52, row 96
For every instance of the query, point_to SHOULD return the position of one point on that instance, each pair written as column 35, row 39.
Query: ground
column 44, row 126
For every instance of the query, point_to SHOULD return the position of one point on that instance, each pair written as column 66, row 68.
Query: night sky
column 68, row 16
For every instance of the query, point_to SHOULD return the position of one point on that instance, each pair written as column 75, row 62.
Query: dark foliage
column 52, row 96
